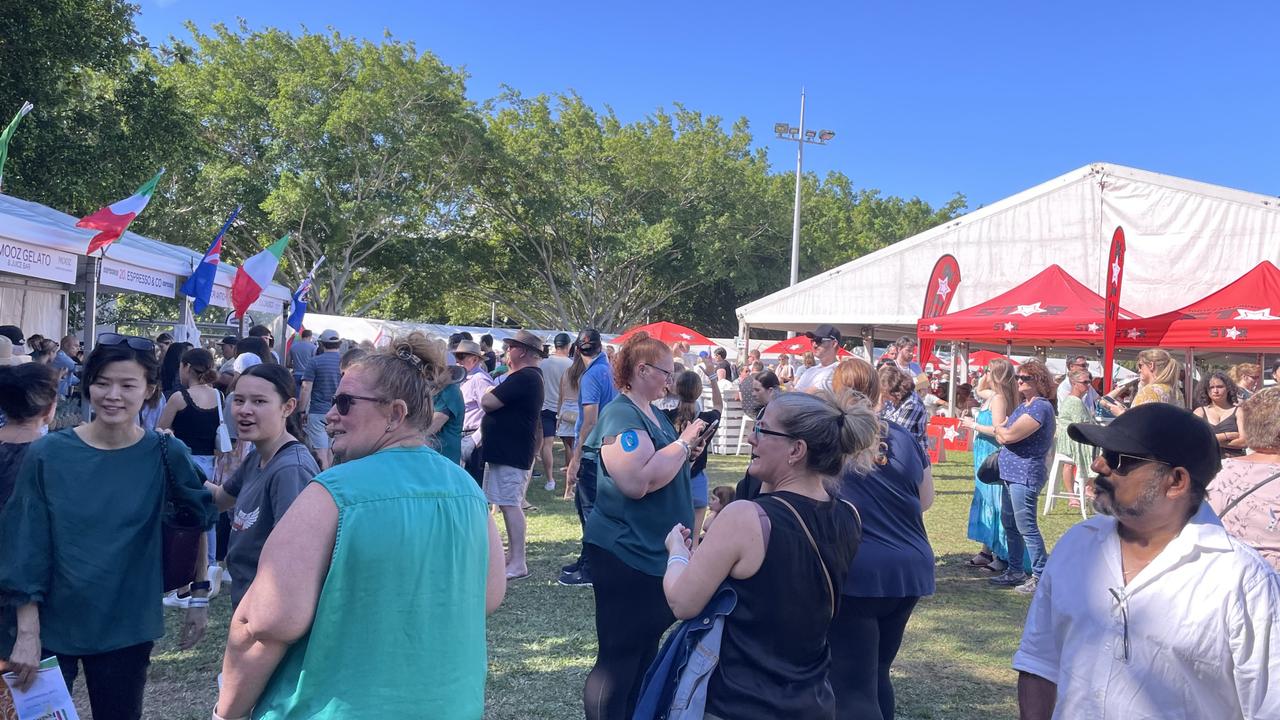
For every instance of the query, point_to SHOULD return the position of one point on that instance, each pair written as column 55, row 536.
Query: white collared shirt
column 1203, row 628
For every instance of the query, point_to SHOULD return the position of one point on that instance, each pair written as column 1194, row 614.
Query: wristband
column 684, row 444
column 196, row 602
column 677, row 559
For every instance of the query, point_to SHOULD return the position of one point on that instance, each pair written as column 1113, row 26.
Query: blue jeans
column 1021, row 527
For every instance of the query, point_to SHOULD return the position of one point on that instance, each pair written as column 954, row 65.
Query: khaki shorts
column 504, row 485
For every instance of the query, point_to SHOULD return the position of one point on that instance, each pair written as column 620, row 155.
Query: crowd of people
column 340, row 492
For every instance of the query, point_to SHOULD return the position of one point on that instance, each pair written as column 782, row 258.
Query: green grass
column 954, row 662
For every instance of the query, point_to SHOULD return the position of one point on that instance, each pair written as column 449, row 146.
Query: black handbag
column 180, row 531
column 989, row 470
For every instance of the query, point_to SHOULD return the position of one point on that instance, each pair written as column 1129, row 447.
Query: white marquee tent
column 1184, row 238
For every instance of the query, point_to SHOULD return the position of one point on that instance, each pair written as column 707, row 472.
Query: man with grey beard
column 1151, row 609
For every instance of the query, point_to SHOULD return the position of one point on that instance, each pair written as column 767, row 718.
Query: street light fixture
column 800, row 136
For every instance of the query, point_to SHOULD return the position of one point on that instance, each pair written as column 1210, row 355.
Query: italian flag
column 113, row 219
column 255, row 274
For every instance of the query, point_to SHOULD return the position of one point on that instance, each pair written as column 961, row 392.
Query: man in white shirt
column 826, row 345
column 553, row 369
column 1151, row 610
column 1090, row 398
column 905, row 357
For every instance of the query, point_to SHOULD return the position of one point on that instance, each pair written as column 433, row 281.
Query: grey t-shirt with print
column 262, row 496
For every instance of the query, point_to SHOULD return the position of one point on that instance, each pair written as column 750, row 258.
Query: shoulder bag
column 180, row 530
column 223, row 437
column 989, row 470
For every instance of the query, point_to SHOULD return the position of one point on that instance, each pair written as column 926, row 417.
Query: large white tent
column 1185, row 239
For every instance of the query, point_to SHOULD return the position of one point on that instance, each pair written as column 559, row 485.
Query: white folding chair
column 742, row 432
column 1054, row 486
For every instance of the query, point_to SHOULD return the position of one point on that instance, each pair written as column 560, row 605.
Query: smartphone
column 707, row 432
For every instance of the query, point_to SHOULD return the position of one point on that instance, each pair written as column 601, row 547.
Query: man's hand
column 194, row 626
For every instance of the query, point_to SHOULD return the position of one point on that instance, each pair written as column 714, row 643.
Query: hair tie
column 840, row 420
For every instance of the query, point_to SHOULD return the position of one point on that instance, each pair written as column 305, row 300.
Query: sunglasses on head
column 133, row 341
column 1125, row 463
column 342, row 401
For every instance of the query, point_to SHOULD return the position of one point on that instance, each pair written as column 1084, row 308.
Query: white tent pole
column 951, row 384
column 92, row 265
column 1188, row 387
column 869, row 342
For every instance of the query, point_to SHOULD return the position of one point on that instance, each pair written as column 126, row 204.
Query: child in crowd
column 720, row 497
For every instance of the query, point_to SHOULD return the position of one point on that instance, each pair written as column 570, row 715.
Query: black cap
column 562, row 340
column 1160, row 431
column 14, row 333
column 823, row 332
column 228, row 340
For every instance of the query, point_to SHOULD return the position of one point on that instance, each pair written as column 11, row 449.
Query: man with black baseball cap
column 826, row 346
column 1151, row 609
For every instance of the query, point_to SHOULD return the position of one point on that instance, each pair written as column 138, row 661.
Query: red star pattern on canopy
column 1244, row 314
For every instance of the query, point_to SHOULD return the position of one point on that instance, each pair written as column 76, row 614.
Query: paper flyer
column 47, row 698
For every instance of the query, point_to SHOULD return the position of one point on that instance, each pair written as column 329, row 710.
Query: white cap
column 244, row 361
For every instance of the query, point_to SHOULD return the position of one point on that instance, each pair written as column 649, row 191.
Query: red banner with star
column 1115, row 277
column 938, row 293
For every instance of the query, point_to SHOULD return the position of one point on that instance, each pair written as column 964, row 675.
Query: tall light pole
column 800, row 136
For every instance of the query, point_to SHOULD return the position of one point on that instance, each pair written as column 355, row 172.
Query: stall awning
column 1051, row 308
column 1244, row 314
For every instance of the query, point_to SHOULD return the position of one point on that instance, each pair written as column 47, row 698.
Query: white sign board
column 138, row 279
column 44, row 263
column 221, row 297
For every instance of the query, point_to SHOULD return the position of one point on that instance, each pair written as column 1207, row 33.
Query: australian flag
column 200, row 285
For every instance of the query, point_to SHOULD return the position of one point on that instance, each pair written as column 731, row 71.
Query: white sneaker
column 550, row 486
column 172, row 600
column 214, row 576
column 226, row 576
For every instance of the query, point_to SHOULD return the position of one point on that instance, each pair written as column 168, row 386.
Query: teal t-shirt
column 449, row 400
column 635, row 530
column 81, row 537
column 399, row 630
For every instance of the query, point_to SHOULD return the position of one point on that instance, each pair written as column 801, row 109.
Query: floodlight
column 794, row 130
column 781, row 128
column 826, row 135
column 810, row 134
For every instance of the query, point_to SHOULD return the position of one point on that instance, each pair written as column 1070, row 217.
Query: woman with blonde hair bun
column 418, row 565
column 1158, row 373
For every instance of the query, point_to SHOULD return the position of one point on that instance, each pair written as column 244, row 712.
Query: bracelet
column 677, row 559
column 196, row 602
column 684, row 444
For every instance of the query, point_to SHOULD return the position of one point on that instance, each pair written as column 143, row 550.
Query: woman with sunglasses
column 893, row 567
column 1158, row 381
column 642, row 489
column 87, row 583
column 1072, row 410
column 416, row 568
column 785, row 554
column 272, row 476
column 1026, row 438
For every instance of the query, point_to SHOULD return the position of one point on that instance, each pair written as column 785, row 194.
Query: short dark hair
column 720, row 353
column 27, row 390
column 104, row 355
column 164, row 338
column 259, row 331
column 306, row 334
column 905, row 341
column 562, row 340
column 257, row 346
column 486, row 340
column 1078, row 360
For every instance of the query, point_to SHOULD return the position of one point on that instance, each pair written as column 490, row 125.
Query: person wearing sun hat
column 477, row 382
column 1151, row 609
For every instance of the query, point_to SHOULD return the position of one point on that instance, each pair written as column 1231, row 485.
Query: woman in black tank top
column 785, row 554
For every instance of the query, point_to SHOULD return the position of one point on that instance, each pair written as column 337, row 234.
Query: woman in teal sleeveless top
column 372, row 591
column 642, row 490
column 997, row 390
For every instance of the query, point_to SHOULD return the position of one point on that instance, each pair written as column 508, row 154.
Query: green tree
column 102, row 124
column 361, row 151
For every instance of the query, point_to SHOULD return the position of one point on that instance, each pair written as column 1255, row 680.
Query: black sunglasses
column 1125, row 463
column 140, row 344
column 342, row 401
column 1024, row 378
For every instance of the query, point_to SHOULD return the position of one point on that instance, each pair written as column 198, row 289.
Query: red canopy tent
column 1051, row 308
column 1239, row 315
column 796, row 347
column 667, row 332
column 980, row 358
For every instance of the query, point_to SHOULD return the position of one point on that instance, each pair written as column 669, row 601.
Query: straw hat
column 528, row 340
column 6, row 353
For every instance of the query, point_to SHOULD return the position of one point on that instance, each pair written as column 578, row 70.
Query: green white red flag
column 254, row 275
column 7, row 135
column 113, row 219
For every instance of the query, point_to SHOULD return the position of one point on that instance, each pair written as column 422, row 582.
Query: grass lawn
column 954, row 662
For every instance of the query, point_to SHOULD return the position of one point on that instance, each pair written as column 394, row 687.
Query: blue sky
column 927, row 99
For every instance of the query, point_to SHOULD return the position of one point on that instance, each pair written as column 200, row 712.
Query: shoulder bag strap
column 1247, row 493
column 164, row 463
column 831, row 591
column 221, row 420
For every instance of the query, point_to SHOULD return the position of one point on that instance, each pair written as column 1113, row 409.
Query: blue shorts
column 699, row 484
column 548, row 423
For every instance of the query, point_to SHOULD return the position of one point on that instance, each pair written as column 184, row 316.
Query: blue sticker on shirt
column 630, row 440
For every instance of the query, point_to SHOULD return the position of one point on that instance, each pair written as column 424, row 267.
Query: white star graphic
column 944, row 288
column 1009, row 327
column 1134, row 333
column 1094, row 327
column 950, row 434
column 1115, row 271
column 795, row 347
column 1233, row 333
column 934, row 327
column 1029, row 310
column 1263, row 314
column 685, row 336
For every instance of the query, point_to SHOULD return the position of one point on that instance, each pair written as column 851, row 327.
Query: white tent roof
column 42, row 226
column 1185, row 239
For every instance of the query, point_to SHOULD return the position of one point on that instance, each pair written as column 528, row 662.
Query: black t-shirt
column 727, row 368
column 511, row 434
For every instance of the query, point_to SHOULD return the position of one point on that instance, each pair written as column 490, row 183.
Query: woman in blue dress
column 998, row 392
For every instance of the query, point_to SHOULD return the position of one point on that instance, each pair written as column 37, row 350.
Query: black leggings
column 865, row 636
column 115, row 680
column 631, row 615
